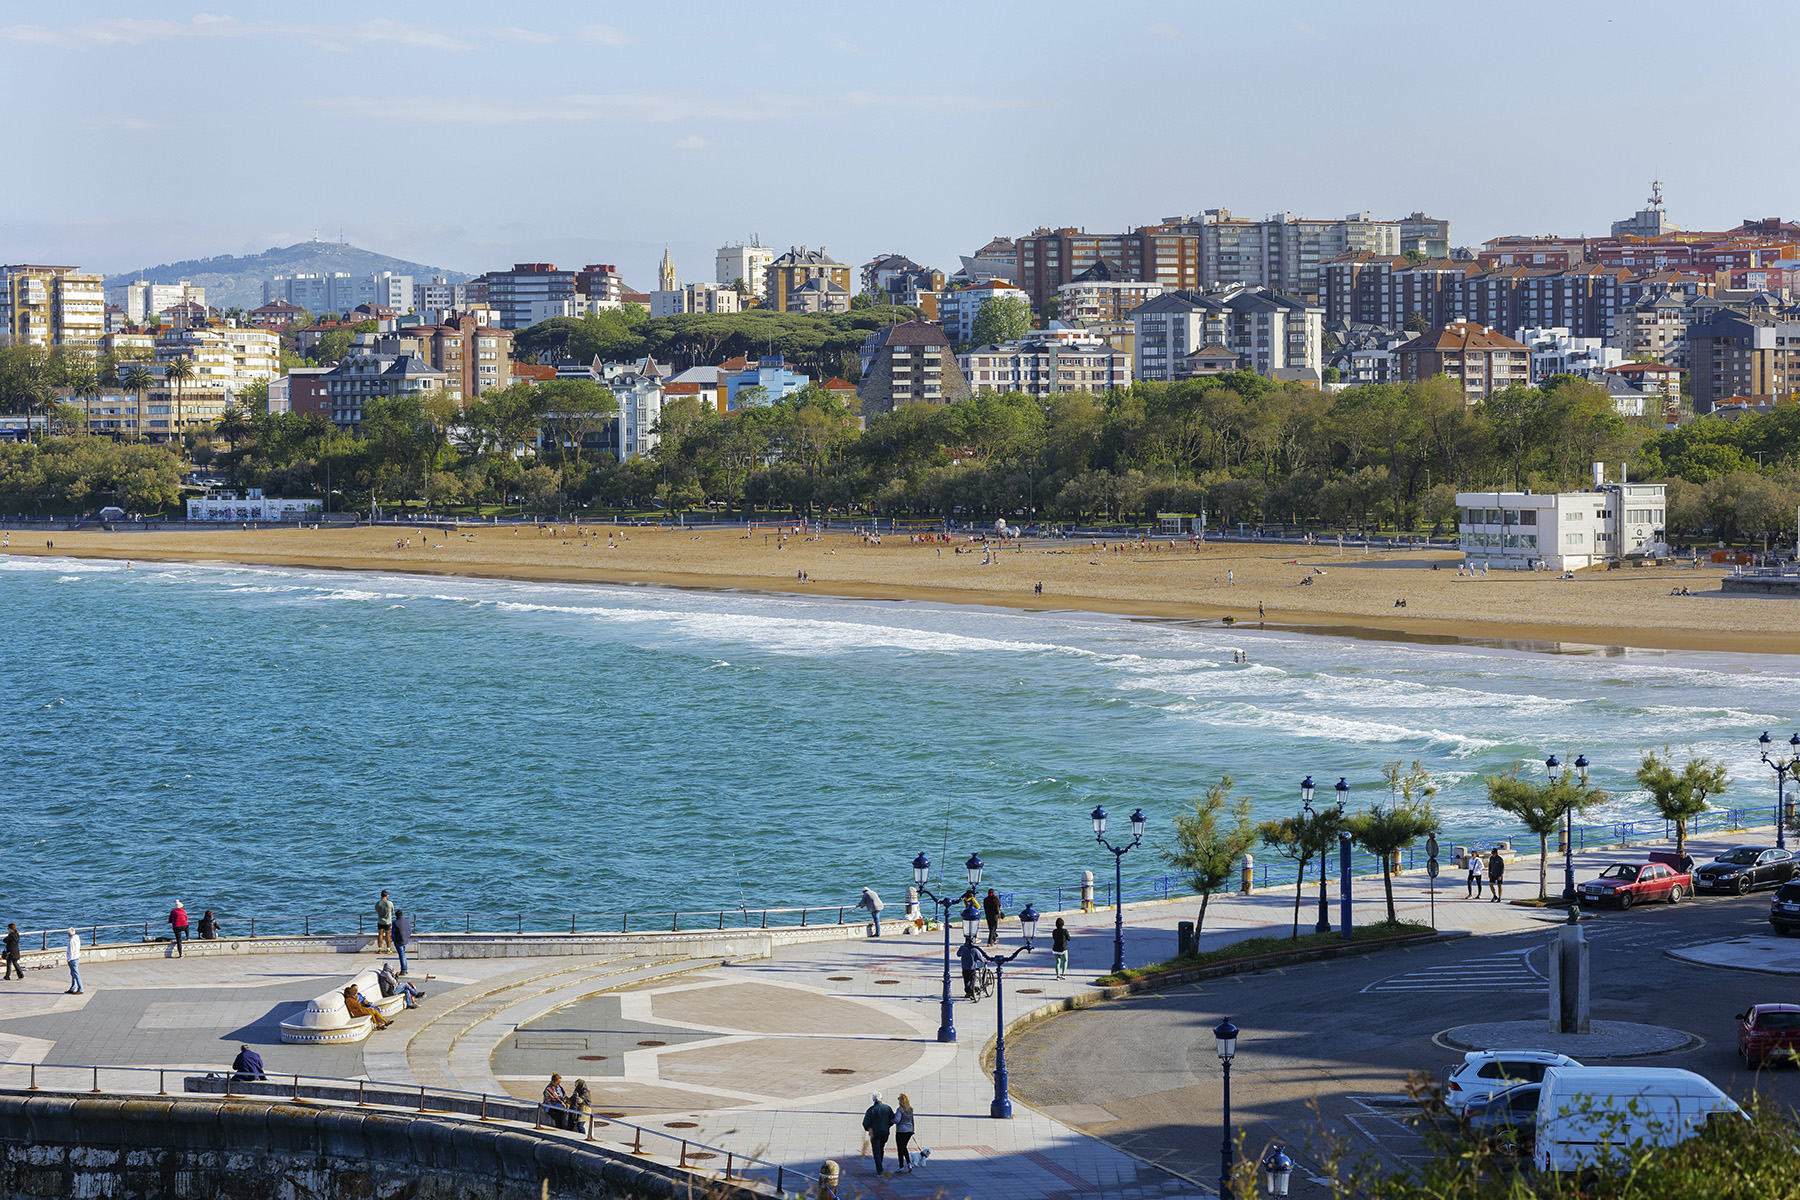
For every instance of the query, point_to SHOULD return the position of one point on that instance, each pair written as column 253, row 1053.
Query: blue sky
column 474, row 135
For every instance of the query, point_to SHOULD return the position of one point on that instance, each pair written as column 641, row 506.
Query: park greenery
column 79, row 473
column 1681, row 795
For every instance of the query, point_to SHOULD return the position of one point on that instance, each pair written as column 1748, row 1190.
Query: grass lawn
column 1253, row 947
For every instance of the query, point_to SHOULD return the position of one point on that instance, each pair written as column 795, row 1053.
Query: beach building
column 1562, row 531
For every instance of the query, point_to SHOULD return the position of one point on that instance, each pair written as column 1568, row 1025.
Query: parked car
column 1743, row 869
column 1506, row 1121
column 1482, row 1073
column 1766, row 1031
column 1784, row 909
column 1588, row 1114
column 1626, row 884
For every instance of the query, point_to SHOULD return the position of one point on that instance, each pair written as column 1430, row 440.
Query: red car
column 1626, row 884
column 1769, row 1031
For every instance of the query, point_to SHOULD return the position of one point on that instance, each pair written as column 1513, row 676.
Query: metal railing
column 689, row 1154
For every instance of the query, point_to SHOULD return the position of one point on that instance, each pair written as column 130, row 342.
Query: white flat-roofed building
column 1562, row 531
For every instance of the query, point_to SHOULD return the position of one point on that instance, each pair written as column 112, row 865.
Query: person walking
column 399, row 934
column 1059, row 946
column 10, row 954
column 877, row 1120
column 384, row 923
column 74, row 957
column 1477, row 865
column 1496, row 872
column 969, row 956
column 903, row 1133
column 178, row 922
column 871, row 901
column 247, row 1066
column 990, row 908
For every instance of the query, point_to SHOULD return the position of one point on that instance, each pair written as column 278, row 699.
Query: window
column 1572, row 539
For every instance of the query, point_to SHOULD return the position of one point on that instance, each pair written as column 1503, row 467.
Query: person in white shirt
column 74, row 964
column 1476, row 867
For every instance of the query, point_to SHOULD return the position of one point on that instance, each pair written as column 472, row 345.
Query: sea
column 287, row 742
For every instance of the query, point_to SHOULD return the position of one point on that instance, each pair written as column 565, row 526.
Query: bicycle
column 984, row 981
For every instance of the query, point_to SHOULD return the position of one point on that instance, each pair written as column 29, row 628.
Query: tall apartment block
column 1049, row 258
column 51, row 306
column 748, row 262
column 1286, row 252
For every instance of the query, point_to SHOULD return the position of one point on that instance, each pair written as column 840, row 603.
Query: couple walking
column 879, row 1120
column 1495, row 868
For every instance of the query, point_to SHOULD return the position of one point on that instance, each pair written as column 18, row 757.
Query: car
column 1766, row 1031
column 1506, row 1120
column 1482, row 1073
column 1587, row 1114
column 1626, row 884
column 1784, row 909
column 1743, row 869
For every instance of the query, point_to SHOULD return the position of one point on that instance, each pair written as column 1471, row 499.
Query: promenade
column 773, row 1057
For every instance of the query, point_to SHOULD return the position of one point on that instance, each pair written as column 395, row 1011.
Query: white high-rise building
column 140, row 299
column 749, row 263
column 340, row 291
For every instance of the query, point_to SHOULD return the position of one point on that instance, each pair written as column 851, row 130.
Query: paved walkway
column 774, row 1057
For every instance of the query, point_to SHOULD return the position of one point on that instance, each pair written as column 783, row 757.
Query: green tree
column 1541, row 809
column 1210, row 841
column 179, row 371
column 1302, row 838
column 139, row 380
column 1681, row 795
column 1408, row 816
column 1001, row 319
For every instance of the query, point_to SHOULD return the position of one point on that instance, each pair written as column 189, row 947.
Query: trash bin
column 1185, row 941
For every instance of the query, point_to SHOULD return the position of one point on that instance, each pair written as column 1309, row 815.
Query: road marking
column 1508, row 972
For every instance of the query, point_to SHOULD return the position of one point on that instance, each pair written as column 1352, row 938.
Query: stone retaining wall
column 1751, row 585
column 56, row 1146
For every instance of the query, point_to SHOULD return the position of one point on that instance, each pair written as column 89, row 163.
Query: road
column 1339, row 1038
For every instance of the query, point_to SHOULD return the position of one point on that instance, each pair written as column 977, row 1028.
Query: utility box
column 1185, row 941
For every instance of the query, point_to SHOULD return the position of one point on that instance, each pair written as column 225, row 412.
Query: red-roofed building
column 533, row 373
column 276, row 314
column 1481, row 360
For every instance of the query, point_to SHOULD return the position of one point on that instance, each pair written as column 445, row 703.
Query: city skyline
column 572, row 133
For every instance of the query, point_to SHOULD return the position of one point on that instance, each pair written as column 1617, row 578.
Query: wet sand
column 1350, row 590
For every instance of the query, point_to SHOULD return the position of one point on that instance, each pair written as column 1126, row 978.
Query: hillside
column 238, row 279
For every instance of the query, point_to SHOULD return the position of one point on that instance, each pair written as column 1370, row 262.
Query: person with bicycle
column 971, row 957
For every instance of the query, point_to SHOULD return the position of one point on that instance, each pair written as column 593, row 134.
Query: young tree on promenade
column 1301, row 837
column 1383, row 829
column 1209, row 842
column 1681, row 795
column 1541, row 809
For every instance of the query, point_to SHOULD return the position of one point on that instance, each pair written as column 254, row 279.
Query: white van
column 1588, row 1113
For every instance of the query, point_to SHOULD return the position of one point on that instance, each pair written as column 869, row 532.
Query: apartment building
column 909, row 363
column 1478, row 358
column 1101, row 295
column 771, row 374
column 1044, row 367
column 747, row 263
column 514, row 293
column 1752, row 355
column 694, row 298
column 141, row 300
column 276, row 314
column 475, row 358
column 1164, row 254
column 1286, row 252
column 897, row 279
column 1565, row 531
column 1656, row 327
column 789, row 273
column 438, row 297
column 51, row 306
column 1270, row 333
column 341, row 291
column 1557, row 351
column 1426, row 236
column 365, row 374
column 959, row 306
column 601, row 284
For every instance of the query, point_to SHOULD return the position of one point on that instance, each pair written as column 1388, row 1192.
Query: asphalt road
column 1327, row 1047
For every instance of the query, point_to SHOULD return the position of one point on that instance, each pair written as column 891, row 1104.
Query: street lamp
column 1553, row 769
column 1001, row 1108
column 1278, row 1168
column 1226, row 1034
column 1118, row 853
column 921, row 875
column 1782, row 770
column 1306, row 795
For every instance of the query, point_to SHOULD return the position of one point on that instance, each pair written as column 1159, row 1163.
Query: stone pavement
column 772, row 1057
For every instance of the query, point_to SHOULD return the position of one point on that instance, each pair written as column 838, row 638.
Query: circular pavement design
column 1608, row 1039
column 1769, row 953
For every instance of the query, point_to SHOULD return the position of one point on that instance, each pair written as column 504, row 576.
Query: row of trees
column 1212, row 838
column 85, row 473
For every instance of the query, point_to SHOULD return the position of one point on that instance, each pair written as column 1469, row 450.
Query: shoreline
column 541, row 559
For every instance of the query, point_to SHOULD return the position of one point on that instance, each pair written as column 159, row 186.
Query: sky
column 472, row 136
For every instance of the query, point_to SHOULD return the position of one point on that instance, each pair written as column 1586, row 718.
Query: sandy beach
column 1349, row 589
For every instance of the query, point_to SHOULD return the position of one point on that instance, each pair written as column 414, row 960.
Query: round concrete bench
column 327, row 1021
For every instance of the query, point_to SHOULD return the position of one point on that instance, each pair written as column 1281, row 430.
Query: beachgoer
column 877, row 1121
column 990, row 908
column 248, row 1065
column 359, row 1007
column 384, row 922
column 555, row 1100
column 178, row 921
column 1496, row 873
column 399, row 934
column 209, row 926
column 11, row 953
column 582, row 1101
column 1059, row 946
column 969, row 956
column 872, row 902
column 74, row 957
column 903, row 1132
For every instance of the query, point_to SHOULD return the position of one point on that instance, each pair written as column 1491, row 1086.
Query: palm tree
column 178, row 372
column 139, row 380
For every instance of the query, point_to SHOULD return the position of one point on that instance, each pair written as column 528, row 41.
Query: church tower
column 666, row 280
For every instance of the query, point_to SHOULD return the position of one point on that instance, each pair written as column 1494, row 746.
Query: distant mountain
column 238, row 279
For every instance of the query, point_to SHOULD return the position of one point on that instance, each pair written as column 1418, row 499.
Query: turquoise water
column 263, row 741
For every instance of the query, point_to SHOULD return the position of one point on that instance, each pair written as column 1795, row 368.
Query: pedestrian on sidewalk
column 877, row 1121
column 178, row 921
column 969, row 956
column 1059, row 945
column 11, row 952
column 1476, row 866
column 555, row 1100
column 384, row 922
column 1087, row 891
column 990, row 908
column 399, row 934
column 871, row 901
column 247, row 1066
column 1496, row 872
column 903, row 1133
column 74, row 956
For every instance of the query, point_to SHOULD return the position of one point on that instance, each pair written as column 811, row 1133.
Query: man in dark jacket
column 401, row 932
column 990, row 908
column 970, row 956
column 247, row 1065
column 878, row 1120
column 11, row 953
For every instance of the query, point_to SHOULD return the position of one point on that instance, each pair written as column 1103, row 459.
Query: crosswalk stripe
column 1511, row 971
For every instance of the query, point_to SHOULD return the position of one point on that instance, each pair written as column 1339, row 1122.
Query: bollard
column 828, row 1181
column 1249, row 875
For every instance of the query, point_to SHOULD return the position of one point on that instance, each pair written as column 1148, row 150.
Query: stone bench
column 327, row 1021
column 1483, row 848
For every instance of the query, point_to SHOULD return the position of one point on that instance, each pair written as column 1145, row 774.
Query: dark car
column 1505, row 1121
column 1784, row 910
column 1626, row 884
column 1743, row 869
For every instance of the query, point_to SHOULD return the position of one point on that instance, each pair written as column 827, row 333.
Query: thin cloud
column 1302, row 27
column 604, row 35
column 138, row 31
column 692, row 142
column 648, row 108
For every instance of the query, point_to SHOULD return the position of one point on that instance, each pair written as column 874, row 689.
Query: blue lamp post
column 1028, row 919
column 1553, row 769
column 1118, row 853
column 921, row 875
column 1324, row 923
column 1782, row 769
column 1226, row 1034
